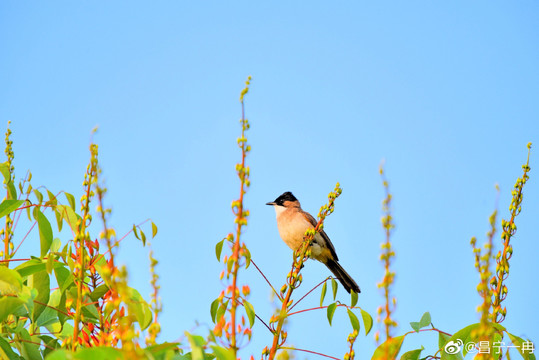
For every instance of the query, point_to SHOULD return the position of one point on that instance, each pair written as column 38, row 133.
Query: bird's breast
column 292, row 227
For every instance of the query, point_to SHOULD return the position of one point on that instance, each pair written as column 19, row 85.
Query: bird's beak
column 270, row 203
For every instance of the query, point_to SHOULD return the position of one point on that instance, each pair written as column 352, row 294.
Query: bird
column 293, row 221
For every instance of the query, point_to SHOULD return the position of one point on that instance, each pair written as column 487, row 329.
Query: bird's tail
column 345, row 279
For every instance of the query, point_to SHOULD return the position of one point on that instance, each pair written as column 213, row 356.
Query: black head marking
column 287, row 196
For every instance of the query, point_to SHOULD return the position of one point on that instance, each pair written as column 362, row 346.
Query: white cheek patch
column 279, row 209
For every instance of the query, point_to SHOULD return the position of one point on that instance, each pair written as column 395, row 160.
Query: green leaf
column 495, row 339
column 11, row 191
column 353, row 296
column 163, row 351
column 90, row 312
column 62, row 317
column 95, row 353
column 196, row 342
column 442, row 339
column 457, row 343
column 45, row 233
column 10, row 281
column 29, row 350
column 49, row 263
column 250, row 312
column 50, row 344
column 323, row 295
column 389, row 349
column 59, row 221
column 367, row 321
column 247, row 255
column 64, row 277
column 99, row 292
column 218, row 249
column 30, row 267
column 454, row 347
column 34, row 265
column 334, row 288
column 61, row 331
column 221, row 311
column 60, row 354
column 27, row 295
column 8, row 206
column 28, row 211
column 6, row 352
column 137, row 306
column 41, row 282
column 71, row 200
column 49, row 316
column 213, row 309
column 52, row 198
column 39, row 196
column 525, row 348
column 5, row 170
column 353, row 320
column 331, row 312
column 69, row 216
column 99, row 267
column 222, row 353
column 143, row 237
column 56, row 244
column 425, row 320
column 135, row 231
column 189, row 356
column 412, row 354
column 8, row 306
column 154, row 230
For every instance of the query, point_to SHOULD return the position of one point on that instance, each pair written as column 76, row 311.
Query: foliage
column 74, row 302
column 71, row 301
column 486, row 337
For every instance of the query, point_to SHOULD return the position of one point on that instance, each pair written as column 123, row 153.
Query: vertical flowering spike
column 386, row 257
column 509, row 228
column 235, row 332
column 81, row 236
column 482, row 264
column 7, row 232
column 155, row 327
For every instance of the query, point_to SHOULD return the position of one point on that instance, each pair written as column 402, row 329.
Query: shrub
column 72, row 300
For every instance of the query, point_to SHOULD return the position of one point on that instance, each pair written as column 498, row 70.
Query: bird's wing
column 322, row 233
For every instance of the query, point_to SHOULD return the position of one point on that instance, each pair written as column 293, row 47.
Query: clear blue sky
column 446, row 92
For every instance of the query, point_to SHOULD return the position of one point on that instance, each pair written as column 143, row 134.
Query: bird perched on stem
column 292, row 223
